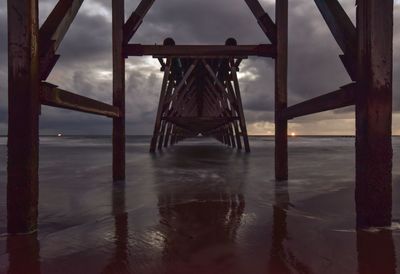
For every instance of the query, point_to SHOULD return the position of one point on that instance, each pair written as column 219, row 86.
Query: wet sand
column 198, row 207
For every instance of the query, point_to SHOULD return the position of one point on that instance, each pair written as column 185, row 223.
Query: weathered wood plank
column 281, row 67
column 220, row 86
column 58, row 22
column 51, row 95
column 160, row 108
column 53, row 31
column 264, row 20
column 333, row 100
column 167, row 134
column 239, row 106
column 220, row 51
column 183, row 82
column 135, row 20
column 118, row 90
column 234, row 109
column 343, row 31
column 374, row 113
column 23, row 116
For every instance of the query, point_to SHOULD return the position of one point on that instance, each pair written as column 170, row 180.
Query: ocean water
column 199, row 207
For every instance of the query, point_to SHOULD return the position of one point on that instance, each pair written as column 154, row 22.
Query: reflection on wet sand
column 119, row 262
column 200, row 229
column 203, row 229
column 23, row 254
column 199, row 219
column 204, row 211
column 376, row 252
column 283, row 260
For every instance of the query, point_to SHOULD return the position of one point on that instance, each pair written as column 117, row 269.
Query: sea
column 199, row 207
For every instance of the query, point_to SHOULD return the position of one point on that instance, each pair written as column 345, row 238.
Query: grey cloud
column 314, row 66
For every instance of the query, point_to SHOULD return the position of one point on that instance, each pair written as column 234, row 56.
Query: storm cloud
column 85, row 65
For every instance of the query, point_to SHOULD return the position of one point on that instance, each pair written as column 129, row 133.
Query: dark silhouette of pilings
column 367, row 56
column 200, row 95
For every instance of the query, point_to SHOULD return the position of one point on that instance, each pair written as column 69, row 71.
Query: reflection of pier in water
column 119, row 262
column 366, row 53
column 281, row 260
column 23, row 254
column 376, row 252
column 200, row 209
column 200, row 216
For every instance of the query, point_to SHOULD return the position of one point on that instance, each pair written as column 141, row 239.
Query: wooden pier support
column 23, row 116
column 201, row 94
column 281, row 66
column 374, row 113
column 118, row 89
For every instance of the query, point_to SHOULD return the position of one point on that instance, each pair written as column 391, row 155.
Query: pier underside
column 200, row 96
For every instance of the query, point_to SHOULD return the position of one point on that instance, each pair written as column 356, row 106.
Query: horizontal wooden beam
column 217, row 51
column 51, row 95
column 136, row 19
column 337, row 99
column 53, row 31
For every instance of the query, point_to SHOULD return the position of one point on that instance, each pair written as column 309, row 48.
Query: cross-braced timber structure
column 200, row 93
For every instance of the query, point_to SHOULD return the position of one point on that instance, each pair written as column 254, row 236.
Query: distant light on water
column 59, row 135
column 293, row 134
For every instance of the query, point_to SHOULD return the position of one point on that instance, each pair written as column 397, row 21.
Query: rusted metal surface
column 118, row 90
column 281, row 70
column 23, row 115
column 337, row 99
column 51, row 95
column 213, row 51
column 374, row 113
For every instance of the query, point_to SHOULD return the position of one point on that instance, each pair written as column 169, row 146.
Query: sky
column 85, row 66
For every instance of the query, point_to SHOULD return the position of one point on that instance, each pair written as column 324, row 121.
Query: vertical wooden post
column 242, row 121
column 167, row 134
column 374, row 113
column 281, row 63
column 162, row 135
column 160, row 109
column 118, row 89
column 232, row 134
column 173, row 136
column 23, row 111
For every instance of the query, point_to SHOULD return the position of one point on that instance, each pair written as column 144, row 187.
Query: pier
column 200, row 93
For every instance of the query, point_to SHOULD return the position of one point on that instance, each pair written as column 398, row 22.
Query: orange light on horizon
column 293, row 134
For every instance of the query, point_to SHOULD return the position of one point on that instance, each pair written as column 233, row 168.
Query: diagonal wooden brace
column 343, row 31
column 263, row 19
column 53, row 31
column 136, row 19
